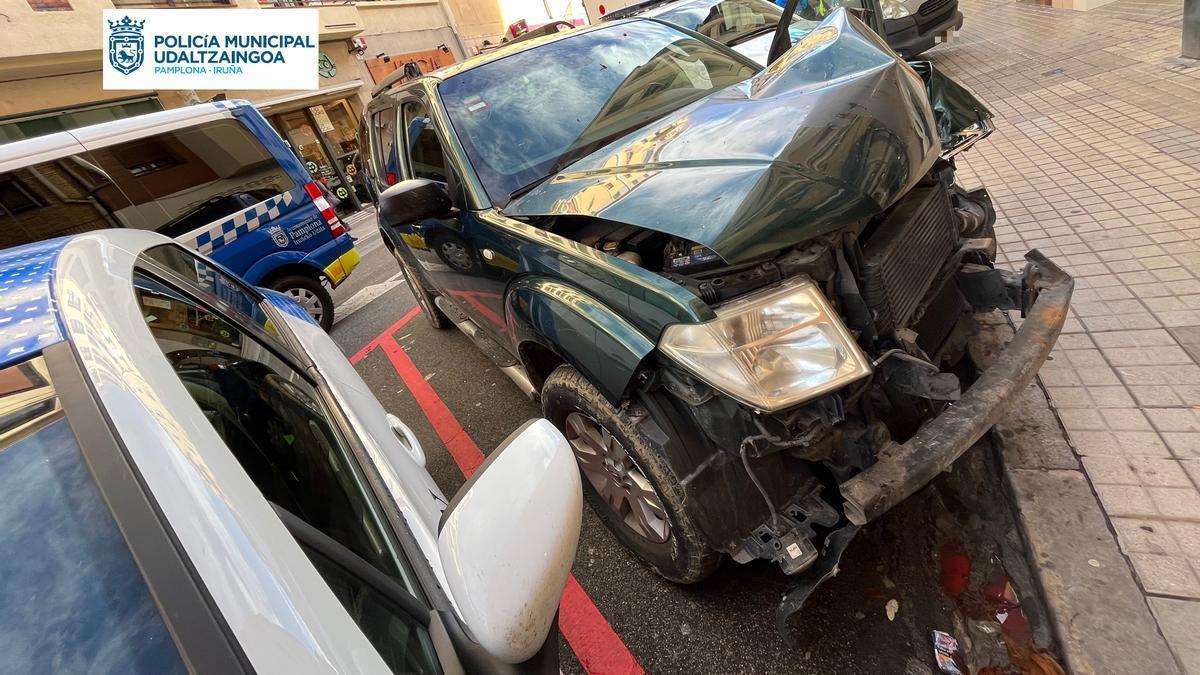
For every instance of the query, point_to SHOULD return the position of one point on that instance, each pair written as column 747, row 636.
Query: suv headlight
column 894, row 9
column 770, row 350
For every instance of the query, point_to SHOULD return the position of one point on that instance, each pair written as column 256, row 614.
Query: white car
column 194, row 479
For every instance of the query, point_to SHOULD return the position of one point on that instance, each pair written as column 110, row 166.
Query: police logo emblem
column 278, row 236
column 126, row 46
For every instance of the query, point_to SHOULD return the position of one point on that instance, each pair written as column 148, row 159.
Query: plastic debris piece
column 986, row 648
column 945, row 653
column 1093, row 562
column 891, row 608
column 956, row 572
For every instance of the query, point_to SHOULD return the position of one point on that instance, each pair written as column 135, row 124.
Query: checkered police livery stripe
column 227, row 231
column 28, row 319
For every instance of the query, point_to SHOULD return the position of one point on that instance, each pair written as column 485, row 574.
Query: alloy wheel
column 308, row 300
column 617, row 479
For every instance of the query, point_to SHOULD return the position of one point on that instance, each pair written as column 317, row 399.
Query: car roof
column 29, row 320
column 18, row 154
column 276, row 605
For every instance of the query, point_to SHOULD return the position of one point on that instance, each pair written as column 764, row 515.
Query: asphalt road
column 725, row 624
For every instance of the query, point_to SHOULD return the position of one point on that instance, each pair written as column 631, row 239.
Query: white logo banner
column 210, row 49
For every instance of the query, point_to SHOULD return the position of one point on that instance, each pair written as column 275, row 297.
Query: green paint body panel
column 584, row 332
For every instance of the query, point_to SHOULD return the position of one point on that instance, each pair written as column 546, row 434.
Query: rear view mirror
column 411, row 201
column 507, row 541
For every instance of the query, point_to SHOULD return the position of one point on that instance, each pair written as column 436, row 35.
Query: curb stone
column 1097, row 610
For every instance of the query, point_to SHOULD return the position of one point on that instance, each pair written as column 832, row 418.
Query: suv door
column 457, row 254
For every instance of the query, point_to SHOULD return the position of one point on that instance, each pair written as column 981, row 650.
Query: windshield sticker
column 476, row 105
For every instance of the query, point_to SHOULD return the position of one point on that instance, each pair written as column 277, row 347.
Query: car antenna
column 782, row 40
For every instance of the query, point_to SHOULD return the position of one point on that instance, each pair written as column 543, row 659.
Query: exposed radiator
column 904, row 255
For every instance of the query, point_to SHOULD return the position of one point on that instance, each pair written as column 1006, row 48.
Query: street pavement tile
column 1184, row 444
column 1141, row 535
column 1176, row 502
column 1178, row 620
column 1166, row 574
column 1186, row 536
column 1126, row 500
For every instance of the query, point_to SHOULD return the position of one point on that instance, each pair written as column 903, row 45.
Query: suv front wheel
column 628, row 484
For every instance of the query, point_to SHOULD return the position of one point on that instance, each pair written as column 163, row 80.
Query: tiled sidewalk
column 1096, row 161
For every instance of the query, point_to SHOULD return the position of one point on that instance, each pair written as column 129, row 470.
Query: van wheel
column 311, row 294
column 436, row 317
column 628, row 484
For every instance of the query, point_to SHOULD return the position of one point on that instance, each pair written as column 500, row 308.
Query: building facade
column 51, row 79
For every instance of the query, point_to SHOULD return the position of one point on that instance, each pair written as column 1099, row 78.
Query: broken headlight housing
column 770, row 350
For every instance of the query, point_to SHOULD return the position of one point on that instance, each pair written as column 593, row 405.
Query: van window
column 73, row 598
column 51, row 199
column 185, row 179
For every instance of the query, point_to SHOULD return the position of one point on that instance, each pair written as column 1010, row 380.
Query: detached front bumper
column 903, row 469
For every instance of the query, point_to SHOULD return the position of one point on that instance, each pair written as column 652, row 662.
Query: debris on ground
column 986, row 646
column 998, row 639
column 891, row 608
column 945, row 653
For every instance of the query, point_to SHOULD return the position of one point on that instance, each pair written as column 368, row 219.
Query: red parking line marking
column 360, row 354
column 464, row 451
column 472, row 297
column 597, row 646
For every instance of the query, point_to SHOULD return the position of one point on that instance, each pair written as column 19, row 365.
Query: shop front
column 322, row 129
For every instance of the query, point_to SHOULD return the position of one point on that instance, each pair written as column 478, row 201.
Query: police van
column 216, row 177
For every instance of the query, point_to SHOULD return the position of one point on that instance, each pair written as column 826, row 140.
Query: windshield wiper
column 528, row 186
column 564, row 160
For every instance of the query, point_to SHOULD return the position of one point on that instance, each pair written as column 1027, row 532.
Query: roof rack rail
column 397, row 75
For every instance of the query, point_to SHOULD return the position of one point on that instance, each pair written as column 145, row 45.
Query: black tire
column 684, row 557
column 306, row 291
column 436, row 317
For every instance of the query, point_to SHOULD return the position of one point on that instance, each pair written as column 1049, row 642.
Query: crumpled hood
column 834, row 131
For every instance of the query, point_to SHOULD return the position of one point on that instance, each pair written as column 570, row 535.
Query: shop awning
column 282, row 104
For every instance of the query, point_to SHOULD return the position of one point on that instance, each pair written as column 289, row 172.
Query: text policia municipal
column 233, row 49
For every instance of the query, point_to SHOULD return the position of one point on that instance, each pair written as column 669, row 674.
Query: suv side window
column 387, row 160
column 181, row 180
column 425, row 157
column 272, row 418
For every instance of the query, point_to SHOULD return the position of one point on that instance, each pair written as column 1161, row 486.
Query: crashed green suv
column 746, row 295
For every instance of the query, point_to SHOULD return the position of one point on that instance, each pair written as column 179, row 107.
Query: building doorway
column 325, row 137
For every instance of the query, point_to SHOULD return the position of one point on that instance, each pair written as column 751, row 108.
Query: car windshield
column 522, row 117
column 730, row 21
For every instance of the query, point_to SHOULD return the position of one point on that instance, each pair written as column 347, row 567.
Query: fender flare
column 580, row 329
column 263, row 267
